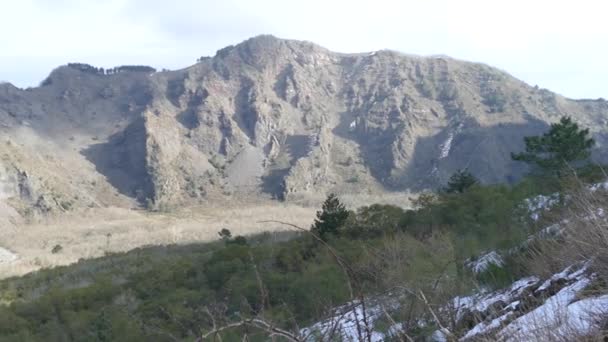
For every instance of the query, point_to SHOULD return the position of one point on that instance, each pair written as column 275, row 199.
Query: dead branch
column 256, row 323
column 348, row 272
column 345, row 268
column 263, row 292
column 435, row 318
column 394, row 323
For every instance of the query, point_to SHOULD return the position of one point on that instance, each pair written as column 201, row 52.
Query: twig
column 263, row 292
column 345, row 268
column 258, row 324
column 441, row 327
column 394, row 323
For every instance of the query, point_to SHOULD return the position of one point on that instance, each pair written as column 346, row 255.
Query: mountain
column 268, row 118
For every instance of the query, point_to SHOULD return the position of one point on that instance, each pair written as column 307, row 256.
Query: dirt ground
column 94, row 232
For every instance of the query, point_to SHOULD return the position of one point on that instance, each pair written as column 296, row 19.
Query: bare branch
column 394, row 323
column 258, row 324
column 264, row 301
column 345, row 268
column 437, row 321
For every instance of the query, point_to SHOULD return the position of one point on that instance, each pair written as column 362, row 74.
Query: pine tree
column 564, row 145
column 330, row 218
column 460, row 181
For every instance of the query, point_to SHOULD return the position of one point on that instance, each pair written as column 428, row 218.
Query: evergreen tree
column 330, row 218
column 563, row 145
column 460, row 181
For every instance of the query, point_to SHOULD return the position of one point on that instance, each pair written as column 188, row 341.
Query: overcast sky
column 560, row 45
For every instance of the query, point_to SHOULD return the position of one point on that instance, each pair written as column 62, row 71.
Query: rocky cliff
column 269, row 118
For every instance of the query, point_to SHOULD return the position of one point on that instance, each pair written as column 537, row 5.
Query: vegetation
column 564, row 146
column 87, row 68
column 460, row 181
column 330, row 218
column 293, row 280
column 165, row 294
column 101, row 71
column 133, row 68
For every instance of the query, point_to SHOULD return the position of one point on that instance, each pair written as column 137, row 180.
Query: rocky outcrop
column 534, row 310
column 288, row 119
column 560, row 308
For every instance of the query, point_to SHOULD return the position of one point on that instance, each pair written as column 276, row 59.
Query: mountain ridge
column 274, row 118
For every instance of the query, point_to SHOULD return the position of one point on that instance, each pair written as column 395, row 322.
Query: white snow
column 446, row 146
column 483, row 262
column 561, row 315
column 395, row 330
column 345, row 321
column 482, row 302
column 484, row 327
column 512, row 306
column 536, row 205
column 583, row 315
column 439, row 336
column 553, row 230
column 556, row 316
column 599, row 186
column 7, row 256
column 560, row 275
column 565, row 274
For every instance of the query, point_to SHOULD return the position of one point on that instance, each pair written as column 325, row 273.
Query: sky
column 555, row 44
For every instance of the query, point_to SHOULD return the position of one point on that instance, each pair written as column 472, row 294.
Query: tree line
column 110, row 71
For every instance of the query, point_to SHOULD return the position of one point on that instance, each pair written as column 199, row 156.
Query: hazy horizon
column 553, row 44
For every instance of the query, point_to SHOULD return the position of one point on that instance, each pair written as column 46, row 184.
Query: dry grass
column 583, row 237
column 354, row 201
column 95, row 232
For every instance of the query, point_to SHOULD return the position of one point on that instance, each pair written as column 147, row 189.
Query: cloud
column 556, row 44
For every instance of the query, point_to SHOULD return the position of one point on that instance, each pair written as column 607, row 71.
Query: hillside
column 267, row 118
column 471, row 266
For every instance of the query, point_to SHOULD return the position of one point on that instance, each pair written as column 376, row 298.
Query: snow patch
column 481, row 302
column 483, row 262
column 7, row 256
column 556, row 316
column 347, row 318
column 560, row 315
column 446, row 146
column 439, row 336
column 484, row 328
column 536, row 205
column 599, row 186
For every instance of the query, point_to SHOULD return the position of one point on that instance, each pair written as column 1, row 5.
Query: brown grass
column 95, row 232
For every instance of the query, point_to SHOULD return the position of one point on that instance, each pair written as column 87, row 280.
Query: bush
column 374, row 221
column 56, row 249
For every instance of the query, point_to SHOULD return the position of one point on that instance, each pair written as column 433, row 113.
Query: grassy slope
column 163, row 293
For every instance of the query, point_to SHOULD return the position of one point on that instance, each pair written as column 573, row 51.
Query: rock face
column 276, row 118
